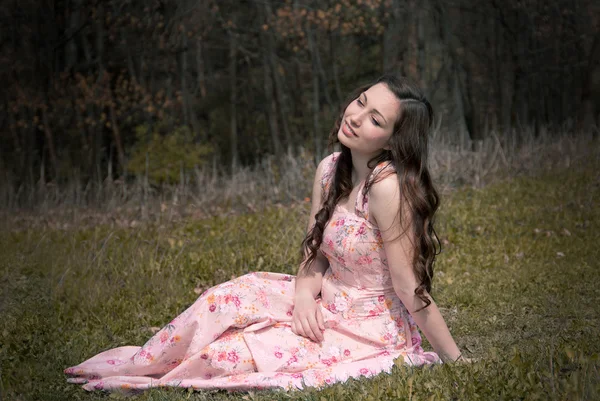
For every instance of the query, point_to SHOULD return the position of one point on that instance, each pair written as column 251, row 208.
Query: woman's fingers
column 299, row 330
column 468, row 360
column 315, row 327
column 308, row 330
column 309, row 323
column 462, row 359
column 320, row 319
column 317, row 334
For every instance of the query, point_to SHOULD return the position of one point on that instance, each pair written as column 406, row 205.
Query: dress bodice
column 351, row 242
column 354, row 247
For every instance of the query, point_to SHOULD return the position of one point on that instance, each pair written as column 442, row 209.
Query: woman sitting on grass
column 361, row 289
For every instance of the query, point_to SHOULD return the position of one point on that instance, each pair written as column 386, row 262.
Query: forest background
column 119, row 100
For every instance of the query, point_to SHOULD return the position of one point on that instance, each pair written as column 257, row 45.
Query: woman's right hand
column 307, row 320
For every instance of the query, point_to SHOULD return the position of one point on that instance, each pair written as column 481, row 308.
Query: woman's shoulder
column 384, row 192
column 330, row 159
column 383, row 170
column 327, row 167
column 384, row 178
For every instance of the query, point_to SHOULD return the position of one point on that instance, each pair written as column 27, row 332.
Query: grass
column 517, row 282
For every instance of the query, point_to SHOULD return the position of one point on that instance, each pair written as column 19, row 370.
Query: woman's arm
column 309, row 280
column 384, row 204
column 307, row 320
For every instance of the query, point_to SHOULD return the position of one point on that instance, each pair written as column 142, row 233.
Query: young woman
column 361, row 290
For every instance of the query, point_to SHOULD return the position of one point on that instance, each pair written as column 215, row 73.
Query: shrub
column 167, row 154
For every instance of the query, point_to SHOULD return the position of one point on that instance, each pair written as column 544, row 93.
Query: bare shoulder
column 384, row 200
column 385, row 191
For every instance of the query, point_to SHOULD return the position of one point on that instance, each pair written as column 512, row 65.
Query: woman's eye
column 360, row 102
column 375, row 122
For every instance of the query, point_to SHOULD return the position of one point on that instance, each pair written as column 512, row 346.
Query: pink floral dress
column 237, row 334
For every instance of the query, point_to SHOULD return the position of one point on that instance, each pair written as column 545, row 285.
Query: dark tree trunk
column 278, row 84
column 50, row 142
column 316, row 106
column 590, row 97
column 271, row 111
column 233, row 100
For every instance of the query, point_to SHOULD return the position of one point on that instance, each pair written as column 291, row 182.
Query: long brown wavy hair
column 408, row 154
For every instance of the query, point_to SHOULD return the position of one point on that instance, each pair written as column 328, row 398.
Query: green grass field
column 517, row 282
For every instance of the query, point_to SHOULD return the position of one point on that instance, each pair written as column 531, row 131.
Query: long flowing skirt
column 237, row 335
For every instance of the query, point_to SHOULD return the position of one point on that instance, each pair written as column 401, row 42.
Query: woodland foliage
column 99, row 89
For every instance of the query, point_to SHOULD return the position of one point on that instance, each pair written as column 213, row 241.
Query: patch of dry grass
column 209, row 192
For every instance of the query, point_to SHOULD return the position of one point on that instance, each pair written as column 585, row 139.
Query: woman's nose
column 355, row 120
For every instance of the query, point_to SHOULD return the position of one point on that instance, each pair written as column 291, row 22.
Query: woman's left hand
column 461, row 359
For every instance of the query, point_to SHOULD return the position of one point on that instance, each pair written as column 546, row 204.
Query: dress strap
column 328, row 171
column 380, row 171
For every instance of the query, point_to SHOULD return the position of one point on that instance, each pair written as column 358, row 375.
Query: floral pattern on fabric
column 237, row 334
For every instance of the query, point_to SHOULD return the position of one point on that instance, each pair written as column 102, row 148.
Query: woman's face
column 368, row 121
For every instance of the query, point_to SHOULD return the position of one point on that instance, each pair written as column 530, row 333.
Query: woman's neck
column 360, row 170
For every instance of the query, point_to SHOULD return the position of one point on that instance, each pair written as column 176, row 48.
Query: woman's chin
column 343, row 139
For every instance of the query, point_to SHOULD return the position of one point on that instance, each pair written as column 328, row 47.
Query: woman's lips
column 347, row 130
